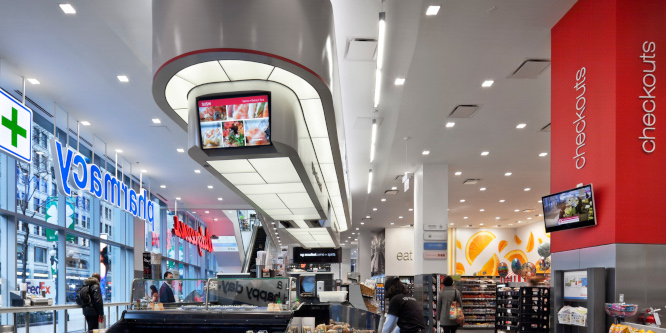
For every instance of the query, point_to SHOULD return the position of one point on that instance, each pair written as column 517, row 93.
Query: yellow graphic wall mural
column 481, row 250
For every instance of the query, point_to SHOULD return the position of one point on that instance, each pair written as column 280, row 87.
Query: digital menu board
column 232, row 121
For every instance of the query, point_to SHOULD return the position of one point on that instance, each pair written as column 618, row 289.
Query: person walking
column 446, row 296
column 90, row 298
column 166, row 293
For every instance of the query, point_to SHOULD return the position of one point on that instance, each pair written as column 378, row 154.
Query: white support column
column 431, row 203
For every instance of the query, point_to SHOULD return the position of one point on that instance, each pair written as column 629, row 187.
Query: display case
column 215, row 305
column 425, row 291
column 508, row 309
column 479, row 302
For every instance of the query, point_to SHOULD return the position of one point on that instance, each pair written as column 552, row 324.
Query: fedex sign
column 35, row 287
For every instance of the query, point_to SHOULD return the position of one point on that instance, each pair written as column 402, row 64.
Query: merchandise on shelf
column 478, row 302
column 525, row 309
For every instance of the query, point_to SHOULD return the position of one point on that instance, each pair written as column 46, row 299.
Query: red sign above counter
column 200, row 238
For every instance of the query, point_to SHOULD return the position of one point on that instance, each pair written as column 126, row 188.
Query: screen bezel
column 575, row 225
column 234, row 95
column 296, row 258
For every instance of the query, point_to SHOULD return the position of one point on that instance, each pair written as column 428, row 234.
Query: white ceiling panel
column 301, row 87
column 272, row 188
column 296, row 217
column 246, row 70
column 333, row 189
column 314, row 117
column 267, row 201
column 182, row 113
column 276, row 170
column 176, row 93
column 301, row 211
column 232, row 166
column 323, row 150
column 328, row 170
column 244, row 178
column 205, row 72
column 272, row 212
column 296, row 200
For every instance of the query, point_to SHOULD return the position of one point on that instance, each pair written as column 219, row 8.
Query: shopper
column 154, row 295
column 90, row 298
column 446, row 296
column 403, row 311
column 166, row 293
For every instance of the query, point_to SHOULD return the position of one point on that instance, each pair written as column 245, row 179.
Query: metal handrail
column 55, row 308
column 248, row 254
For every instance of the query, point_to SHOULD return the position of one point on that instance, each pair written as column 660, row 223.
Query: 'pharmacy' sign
column 84, row 176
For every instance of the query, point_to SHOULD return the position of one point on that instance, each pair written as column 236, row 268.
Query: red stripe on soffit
column 241, row 51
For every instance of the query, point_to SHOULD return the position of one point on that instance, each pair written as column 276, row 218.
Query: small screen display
column 318, row 255
column 235, row 121
column 569, row 209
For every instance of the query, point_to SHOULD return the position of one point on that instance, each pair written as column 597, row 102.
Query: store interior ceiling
column 444, row 59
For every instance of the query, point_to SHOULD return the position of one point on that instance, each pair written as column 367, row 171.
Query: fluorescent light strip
column 374, row 131
column 378, row 81
column 381, row 40
column 372, row 152
column 370, row 181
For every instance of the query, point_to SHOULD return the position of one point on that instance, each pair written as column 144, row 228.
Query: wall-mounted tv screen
column 232, row 121
column 569, row 209
column 317, row 255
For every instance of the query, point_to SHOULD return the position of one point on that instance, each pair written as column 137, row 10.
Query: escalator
column 257, row 243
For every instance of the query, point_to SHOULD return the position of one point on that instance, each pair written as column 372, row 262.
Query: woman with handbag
column 447, row 298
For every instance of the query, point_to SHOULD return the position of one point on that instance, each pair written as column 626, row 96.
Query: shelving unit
column 526, row 309
column 379, row 296
column 508, row 309
column 425, row 291
column 479, row 303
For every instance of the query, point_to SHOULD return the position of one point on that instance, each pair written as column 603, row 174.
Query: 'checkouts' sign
column 15, row 128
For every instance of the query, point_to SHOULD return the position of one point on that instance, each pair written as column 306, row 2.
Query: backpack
column 83, row 297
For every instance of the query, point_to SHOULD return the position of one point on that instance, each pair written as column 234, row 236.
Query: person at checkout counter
column 166, row 293
column 403, row 311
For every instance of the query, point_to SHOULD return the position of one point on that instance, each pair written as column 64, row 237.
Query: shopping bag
column 456, row 313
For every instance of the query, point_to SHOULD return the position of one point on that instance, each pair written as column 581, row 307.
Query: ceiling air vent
column 361, row 49
column 545, row 128
column 530, row 69
column 471, row 181
column 27, row 99
column 391, row 192
column 464, row 111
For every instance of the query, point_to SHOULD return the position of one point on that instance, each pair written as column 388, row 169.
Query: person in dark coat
column 166, row 293
column 94, row 312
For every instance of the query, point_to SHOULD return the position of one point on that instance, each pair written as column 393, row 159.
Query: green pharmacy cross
column 14, row 127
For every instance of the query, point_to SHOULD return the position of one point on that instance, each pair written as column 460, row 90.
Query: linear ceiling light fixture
column 374, row 139
column 370, row 182
column 380, row 56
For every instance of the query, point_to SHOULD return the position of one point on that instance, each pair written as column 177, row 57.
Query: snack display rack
column 508, row 309
column 534, row 309
column 479, row 303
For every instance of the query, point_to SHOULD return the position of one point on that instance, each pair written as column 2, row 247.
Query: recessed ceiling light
column 462, row 200
column 276, row 233
column 383, row 199
column 487, row 83
column 119, row 151
column 214, row 219
column 510, row 223
column 432, row 10
column 482, row 189
column 543, row 154
column 452, row 223
column 123, row 78
column 67, row 8
column 521, row 125
column 497, row 218
column 357, row 228
column 367, row 217
column 539, row 201
column 273, row 223
column 143, row 171
column 527, row 189
column 482, row 210
column 516, row 210
column 485, row 153
column 349, row 237
column 85, row 123
column 207, row 212
column 219, row 199
column 33, row 81
column 157, row 121
column 450, row 124
column 458, row 173
column 399, row 217
column 465, row 217
column 540, row 214
column 162, row 186
column 356, row 239
column 394, row 188
column 502, row 200
column 529, row 218
column 426, row 152
column 353, row 233
column 210, row 186
column 392, row 223
column 362, row 223
column 180, row 150
column 197, row 171
column 178, row 198
column 399, row 81
column 480, row 223
column 520, row 222
column 374, row 209
column 411, row 209
column 508, row 174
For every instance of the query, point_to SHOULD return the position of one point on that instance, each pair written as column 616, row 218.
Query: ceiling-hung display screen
column 318, row 255
column 232, row 121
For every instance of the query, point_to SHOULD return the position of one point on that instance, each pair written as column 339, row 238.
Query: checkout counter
column 235, row 305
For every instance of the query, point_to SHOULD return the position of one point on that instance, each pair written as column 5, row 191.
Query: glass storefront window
column 78, row 265
column 36, row 259
column 34, row 181
column 112, row 273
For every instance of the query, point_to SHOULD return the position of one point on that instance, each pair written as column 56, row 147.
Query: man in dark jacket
column 166, row 293
column 94, row 311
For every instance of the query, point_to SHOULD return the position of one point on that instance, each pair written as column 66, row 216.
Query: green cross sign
column 14, row 127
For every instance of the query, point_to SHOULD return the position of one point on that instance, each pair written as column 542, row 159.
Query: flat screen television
column 235, row 120
column 569, row 209
column 317, row 255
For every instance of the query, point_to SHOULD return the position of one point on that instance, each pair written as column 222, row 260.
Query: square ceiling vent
column 464, row 111
column 361, row 49
column 530, row 69
column 471, row 181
